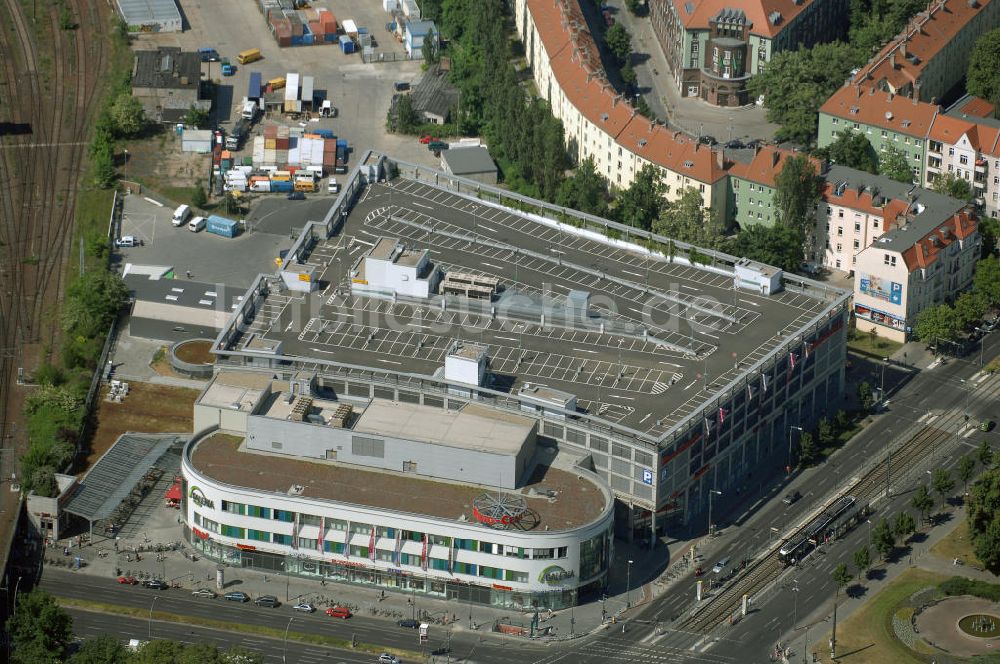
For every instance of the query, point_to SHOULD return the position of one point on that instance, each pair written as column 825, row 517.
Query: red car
column 129, row 580
column 424, row 140
column 698, row 571
column 339, row 612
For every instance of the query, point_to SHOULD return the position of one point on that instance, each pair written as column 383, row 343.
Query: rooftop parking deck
column 658, row 339
column 222, row 457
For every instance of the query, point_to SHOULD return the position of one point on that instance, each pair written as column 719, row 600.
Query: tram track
column 922, row 441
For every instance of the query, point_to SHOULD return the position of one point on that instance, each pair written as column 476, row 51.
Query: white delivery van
column 196, row 224
column 333, row 187
column 181, row 215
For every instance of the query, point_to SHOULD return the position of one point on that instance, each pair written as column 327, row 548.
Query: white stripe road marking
column 968, row 433
column 619, row 396
column 691, row 384
column 387, row 361
column 638, row 274
column 506, row 338
column 422, row 205
column 497, row 267
column 584, row 350
column 488, row 228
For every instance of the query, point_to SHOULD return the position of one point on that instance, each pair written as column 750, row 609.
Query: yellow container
column 251, row 55
column 270, row 144
column 301, row 185
column 277, row 83
column 283, row 176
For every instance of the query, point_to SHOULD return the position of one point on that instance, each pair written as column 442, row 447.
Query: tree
column 686, row 219
column 892, row 163
column 922, row 501
column 40, row 629
column 199, row 198
column 196, row 117
column 103, row 649
column 795, row 83
column 127, row 115
column 883, row 539
column 841, row 421
column 102, row 156
column 825, row 433
column 942, row 482
column 950, row 184
column 429, row 49
column 585, row 190
column 841, row 575
column 985, row 454
column 966, row 469
column 970, row 308
column 633, row 6
column 403, row 118
column 936, row 324
column 92, row 302
column 983, row 513
column 904, row 525
column 983, row 78
column 807, row 450
column 853, row 150
column 776, row 245
column 987, row 279
column 619, row 42
column 862, row 560
column 640, row 203
column 865, row 396
column 797, row 193
column 629, row 77
column 66, row 20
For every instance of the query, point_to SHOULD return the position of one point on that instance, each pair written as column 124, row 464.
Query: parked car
column 735, row 144
column 333, row 186
column 304, row 607
column 208, row 54
column 237, row 596
column 156, row 584
column 408, row 623
column 339, row 612
column 791, row 497
column 753, row 143
column 126, row 241
column 128, row 580
column 296, row 196
column 400, row 86
column 698, row 571
column 269, row 601
column 386, row 658
column 204, row 592
column 707, row 140
column 721, row 565
column 986, row 425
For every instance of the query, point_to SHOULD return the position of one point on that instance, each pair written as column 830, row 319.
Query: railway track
column 919, row 445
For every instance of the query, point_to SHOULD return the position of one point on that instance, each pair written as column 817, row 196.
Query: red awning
column 174, row 492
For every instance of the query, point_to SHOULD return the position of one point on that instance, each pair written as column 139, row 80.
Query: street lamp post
column 284, row 643
column 869, row 532
column 16, row 585
column 789, row 466
column 126, row 165
column 151, row 605
column 795, row 604
column 711, row 492
column 982, row 341
column 628, row 586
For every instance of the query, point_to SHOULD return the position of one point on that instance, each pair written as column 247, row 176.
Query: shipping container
column 284, row 176
column 255, row 87
column 346, row 45
column 324, row 133
column 303, row 185
column 222, row 226
column 307, row 91
column 263, row 185
column 248, row 56
column 291, row 86
column 282, row 186
column 276, row 84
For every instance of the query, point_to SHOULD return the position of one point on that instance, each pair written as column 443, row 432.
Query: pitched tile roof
column 902, row 60
column 695, row 14
column 765, row 165
column 976, row 107
column 866, row 105
column 576, row 65
column 924, row 251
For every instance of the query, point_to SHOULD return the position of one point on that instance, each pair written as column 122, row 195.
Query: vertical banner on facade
column 322, row 534
column 451, row 556
column 398, row 547
column 371, row 545
column 295, row 532
column 423, row 554
column 347, row 541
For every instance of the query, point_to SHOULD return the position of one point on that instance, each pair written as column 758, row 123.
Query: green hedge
column 958, row 585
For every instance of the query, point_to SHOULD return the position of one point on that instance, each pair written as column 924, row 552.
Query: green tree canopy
column 127, row 114
column 776, row 245
column 966, row 469
column 936, row 324
column 922, row 501
column 808, row 454
column 40, row 629
column 983, row 514
column 984, row 455
column 853, row 150
column 196, row 117
column 841, row 575
column 883, row 538
column 862, row 560
column 199, row 198
column 92, row 302
column 892, row 163
column 103, row 649
column 795, row 83
column 983, row 76
column 686, row 219
column 585, row 190
column 641, row 202
column 798, row 190
column 987, row 279
column 950, row 184
column 429, row 49
column 619, row 42
column 970, row 308
column 942, row 482
column 904, row 525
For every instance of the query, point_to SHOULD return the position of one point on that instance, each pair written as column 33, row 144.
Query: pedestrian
column 189, row 274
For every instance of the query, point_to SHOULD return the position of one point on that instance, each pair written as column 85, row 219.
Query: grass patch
column 149, row 408
column 956, row 544
column 874, row 346
column 867, row 637
column 259, row 630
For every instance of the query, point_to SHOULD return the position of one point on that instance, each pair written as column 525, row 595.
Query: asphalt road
column 465, row 645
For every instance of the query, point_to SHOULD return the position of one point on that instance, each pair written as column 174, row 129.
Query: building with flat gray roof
column 472, row 162
column 674, row 377
column 151, row 15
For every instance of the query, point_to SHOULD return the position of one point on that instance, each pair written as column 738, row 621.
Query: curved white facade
column 341, row 541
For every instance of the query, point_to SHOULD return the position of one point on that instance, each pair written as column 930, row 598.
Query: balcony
column 981, row 165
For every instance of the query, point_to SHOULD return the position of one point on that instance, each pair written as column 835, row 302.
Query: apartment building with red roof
column 713, row 47
column 929, row 58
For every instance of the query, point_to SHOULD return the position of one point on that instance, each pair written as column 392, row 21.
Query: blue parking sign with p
column 647, row 476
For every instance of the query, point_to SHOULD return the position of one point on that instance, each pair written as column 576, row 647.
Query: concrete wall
column 317, row 441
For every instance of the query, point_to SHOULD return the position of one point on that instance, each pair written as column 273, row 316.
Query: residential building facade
column 713, row 47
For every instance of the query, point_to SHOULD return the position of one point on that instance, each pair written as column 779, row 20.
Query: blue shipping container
column 221, row 226
column 342, row 143
column 297, row 41
column 346, row 45
column 281, row 185
column 332, row 37
column 308, row 40
column 325, row 133
column 254, row 88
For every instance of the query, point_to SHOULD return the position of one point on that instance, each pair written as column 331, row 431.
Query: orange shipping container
column 315, row 27
column 270, row 131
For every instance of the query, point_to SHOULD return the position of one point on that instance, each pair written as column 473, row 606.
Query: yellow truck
column 276, row 83
column 252, row 55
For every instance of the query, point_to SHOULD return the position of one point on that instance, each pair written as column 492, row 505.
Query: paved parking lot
column 212, row 258
column 361, row 92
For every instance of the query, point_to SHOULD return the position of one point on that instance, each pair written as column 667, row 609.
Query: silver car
column 304, row 607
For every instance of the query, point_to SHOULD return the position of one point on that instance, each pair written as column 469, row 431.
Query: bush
column 958, row 585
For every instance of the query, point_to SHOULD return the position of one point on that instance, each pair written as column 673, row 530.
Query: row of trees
column 41, row 633
column 983, row 509
column 853, row 150
column 946, row 322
